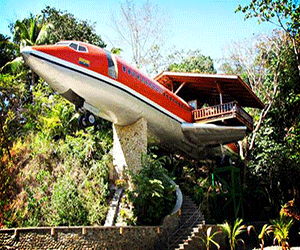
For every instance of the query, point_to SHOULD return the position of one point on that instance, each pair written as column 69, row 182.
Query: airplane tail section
column 210, row 134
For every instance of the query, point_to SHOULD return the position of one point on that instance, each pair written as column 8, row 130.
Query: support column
column 130, row 142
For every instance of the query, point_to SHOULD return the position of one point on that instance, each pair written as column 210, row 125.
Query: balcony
column 229, row 113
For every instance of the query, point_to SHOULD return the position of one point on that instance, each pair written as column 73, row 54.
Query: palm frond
column 44, row 32
column 13, row 65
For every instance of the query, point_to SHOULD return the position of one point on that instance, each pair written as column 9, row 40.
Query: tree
column 32, row 31
column 191, row 61
column 68, row 27
column 284, row 14
column 39, row 132
column 259, row 65
column 7, row 50
column 142, row 29
column 274, row 160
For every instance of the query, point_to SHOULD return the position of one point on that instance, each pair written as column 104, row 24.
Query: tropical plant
column 67, row 204
column 209, row 238
column 7, row 50
column 152, row 195
column 28, row 32
column 281, row 228
column 266, row 229
column 233, row 231
column 32, row 31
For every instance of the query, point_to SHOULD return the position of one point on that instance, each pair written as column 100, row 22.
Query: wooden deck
column 229, row 113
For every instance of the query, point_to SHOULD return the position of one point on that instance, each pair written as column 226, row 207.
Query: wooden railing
column 230, row 110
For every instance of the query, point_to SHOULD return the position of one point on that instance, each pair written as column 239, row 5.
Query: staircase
column 191, row 218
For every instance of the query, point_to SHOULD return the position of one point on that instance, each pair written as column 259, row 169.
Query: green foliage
column 32, row 31
column 265, row 231
column 67, row 204
column 192, row 62
column 274, row 160
column 208, row 239
column 233, row 231
column 62, row 182
column 281, row 228
column 50, row 148
column 68, row 27
column 7, row 50
column 284, row 13
column 152, row 195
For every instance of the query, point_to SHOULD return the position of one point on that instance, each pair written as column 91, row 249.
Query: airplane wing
column 210, row 134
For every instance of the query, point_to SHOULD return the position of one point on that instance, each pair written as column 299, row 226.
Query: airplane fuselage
column 105, row 85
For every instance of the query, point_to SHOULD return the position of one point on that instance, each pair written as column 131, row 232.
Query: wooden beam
column 220, row 92
column 179, row 88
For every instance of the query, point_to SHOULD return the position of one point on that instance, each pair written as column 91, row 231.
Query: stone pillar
column 130, row 142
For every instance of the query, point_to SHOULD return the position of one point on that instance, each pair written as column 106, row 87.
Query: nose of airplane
column 39, row 63
column 26, row 53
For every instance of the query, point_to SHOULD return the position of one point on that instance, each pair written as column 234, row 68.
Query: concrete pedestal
column 130, row 143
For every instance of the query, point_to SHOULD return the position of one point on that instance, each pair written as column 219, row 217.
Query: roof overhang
column 229, row 85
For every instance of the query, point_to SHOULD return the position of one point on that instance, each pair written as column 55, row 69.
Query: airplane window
column 138, row 76
column 73, row 46
column 82, row 48
column 124, row 69
column 133, row 73
column 129, row 71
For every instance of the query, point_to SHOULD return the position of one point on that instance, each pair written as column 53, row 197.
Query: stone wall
column 86, row 238
column 80, row 238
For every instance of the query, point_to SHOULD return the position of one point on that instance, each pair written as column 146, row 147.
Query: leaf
column 13, row 65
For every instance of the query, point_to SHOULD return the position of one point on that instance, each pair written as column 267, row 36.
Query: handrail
column 214, row 110
column 222, row 109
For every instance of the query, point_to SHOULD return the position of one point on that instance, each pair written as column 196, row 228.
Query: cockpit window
column 74, row 46
column 82, row 48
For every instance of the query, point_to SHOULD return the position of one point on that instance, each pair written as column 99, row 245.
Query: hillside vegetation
column 54, row 173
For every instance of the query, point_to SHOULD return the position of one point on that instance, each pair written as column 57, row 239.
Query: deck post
column 130, row 143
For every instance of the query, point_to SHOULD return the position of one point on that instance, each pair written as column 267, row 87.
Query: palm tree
column 233, row 231
column 33, row 31
column 281, row 228
column 266, row 229
column 29, row 32
column 209, row 238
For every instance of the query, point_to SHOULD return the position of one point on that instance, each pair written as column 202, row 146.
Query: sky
column 209, row 26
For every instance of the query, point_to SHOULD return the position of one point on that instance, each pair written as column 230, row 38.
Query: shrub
column 68, row 208
column 152, row 196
